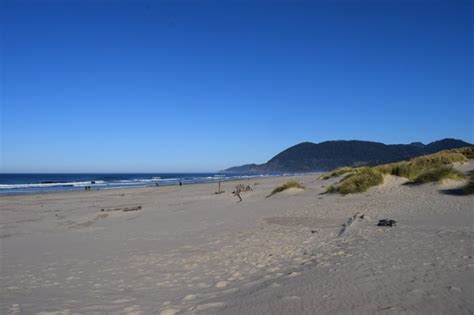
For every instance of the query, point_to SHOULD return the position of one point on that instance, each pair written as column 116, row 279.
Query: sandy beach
column 186, row 250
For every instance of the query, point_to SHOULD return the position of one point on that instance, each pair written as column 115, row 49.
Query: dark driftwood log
column 123, row 209
column 132, row 208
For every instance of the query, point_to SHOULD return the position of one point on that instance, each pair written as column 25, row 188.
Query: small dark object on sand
column 314, row 231
column 361, row 217
column 387, row 222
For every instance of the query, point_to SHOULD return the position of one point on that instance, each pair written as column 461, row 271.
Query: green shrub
column 289, row 184
column 438, row 174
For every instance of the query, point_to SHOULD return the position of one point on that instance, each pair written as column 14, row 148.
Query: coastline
column 188, row 250
column 71, row 182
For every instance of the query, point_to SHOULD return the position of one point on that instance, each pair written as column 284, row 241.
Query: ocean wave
column 169, row 179
column 111, row 182
column 51, row 184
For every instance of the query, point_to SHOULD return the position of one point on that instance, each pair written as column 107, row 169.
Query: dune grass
column 438, row 174
column 423, row 169
column 468, row 152
column 289, row 184
column 337, row 172
column 360, row 181
column 423, row 164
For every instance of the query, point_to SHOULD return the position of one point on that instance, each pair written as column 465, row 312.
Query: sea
column 13, row 184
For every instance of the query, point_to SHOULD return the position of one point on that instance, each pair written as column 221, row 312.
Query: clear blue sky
column 200, row 86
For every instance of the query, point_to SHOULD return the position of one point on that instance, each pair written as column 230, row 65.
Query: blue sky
column 115, row 86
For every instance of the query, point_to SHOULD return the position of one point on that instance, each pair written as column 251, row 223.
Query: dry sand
column 188, row 250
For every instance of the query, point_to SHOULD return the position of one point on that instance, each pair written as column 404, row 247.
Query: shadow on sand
column 453, row 192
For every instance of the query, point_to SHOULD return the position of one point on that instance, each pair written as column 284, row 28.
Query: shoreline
column 102, row 188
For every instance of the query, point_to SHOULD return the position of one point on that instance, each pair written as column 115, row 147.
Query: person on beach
column 236, row 192
column 180, row 183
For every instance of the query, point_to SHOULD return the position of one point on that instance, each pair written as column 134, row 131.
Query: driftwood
column 123, row 209
column 349, row 222
column 387, row 222
column 219, row 191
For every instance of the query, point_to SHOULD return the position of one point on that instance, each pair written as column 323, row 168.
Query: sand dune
column 188, row 250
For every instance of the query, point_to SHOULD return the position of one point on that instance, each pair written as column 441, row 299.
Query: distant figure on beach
column 157, row 184
column 236, row 192
column 180, row 183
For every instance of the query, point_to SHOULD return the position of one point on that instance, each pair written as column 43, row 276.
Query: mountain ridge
column 327, row 155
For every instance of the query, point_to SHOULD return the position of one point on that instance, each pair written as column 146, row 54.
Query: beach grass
column 438, row 174
column 468, row 152
column 360, row 181
column 289, row 184
column 337, row 172
column 423, row 169
column 417, row 166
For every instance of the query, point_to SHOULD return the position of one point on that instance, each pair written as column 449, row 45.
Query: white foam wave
column 45, row 185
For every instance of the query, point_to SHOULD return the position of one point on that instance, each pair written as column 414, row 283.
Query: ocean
column 12, row 184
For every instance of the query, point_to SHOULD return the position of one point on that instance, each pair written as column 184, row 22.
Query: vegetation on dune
column 437, row 175
column 360, row 181
column 428, row 168
column 337, row 172
column 417, row 166
column 468, row 152
column 332, row 189
column 289, row 184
